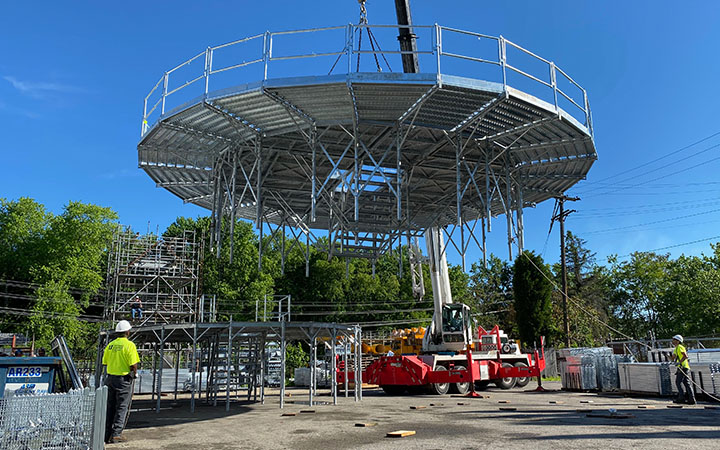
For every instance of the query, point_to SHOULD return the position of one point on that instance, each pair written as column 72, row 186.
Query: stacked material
column 589, row 368
column 302, row 376
column 646, row 378
column 715, row 378
column 659, row 378
column 704, row 355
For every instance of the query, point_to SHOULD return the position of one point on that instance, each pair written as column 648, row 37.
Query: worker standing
column 682, row 375
column 121, row 358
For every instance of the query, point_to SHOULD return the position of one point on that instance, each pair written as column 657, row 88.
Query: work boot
column 690, row 401
column 679, row 400
column 117, row 439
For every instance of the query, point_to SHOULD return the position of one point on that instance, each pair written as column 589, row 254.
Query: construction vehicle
column 451, row 358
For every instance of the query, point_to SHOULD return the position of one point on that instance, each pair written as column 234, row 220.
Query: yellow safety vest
column 678, row 352
column 119, row 355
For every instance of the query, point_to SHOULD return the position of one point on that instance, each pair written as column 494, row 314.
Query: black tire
column 482, row 385
column 521, row 382
column 440, row 388
column 460, row 388
column 506, row 383
column 393, row 389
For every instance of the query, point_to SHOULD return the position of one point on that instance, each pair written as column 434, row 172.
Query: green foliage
column 64, row 255
column 532, row 290
column 491, row 292
column 295, row 356
column 588, row 288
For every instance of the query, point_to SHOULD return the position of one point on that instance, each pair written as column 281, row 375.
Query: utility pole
column 560, row 216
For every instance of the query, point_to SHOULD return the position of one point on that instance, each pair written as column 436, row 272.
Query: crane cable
column 594, row 316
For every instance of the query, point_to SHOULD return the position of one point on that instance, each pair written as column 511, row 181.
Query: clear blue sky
column 73, row 76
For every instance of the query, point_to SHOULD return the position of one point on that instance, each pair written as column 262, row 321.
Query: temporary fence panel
column 72, row 420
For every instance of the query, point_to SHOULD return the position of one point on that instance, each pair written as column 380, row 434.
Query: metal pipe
column 282, row 364
column 406, row 37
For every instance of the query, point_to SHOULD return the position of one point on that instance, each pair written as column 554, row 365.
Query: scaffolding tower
column 158, row 277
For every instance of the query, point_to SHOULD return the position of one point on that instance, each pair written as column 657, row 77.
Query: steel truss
column 232, row 358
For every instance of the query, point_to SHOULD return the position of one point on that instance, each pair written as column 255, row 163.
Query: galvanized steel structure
column 162, row 272
column 367, row 157
column 232, row 357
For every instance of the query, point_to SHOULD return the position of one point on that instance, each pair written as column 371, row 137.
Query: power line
column 650, row 223
column 675, row 246
column 667, row 155
column 661, row 177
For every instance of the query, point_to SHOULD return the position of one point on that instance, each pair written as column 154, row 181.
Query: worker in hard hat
column 122, row 359
column 682, row 375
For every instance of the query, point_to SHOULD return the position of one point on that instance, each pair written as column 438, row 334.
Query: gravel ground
column 557, row 420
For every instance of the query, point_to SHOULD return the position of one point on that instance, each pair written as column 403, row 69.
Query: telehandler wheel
column 506, row 383
column 440, row 388
column 460, row 388
column 521, row 382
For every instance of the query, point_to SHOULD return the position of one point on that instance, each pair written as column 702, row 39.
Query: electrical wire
column 675, row 246
column 667, row 155
column 660, row 177
column 628, row 227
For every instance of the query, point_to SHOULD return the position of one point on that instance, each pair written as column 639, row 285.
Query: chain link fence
column 73, row 420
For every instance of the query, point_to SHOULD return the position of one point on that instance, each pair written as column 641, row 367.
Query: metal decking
column 372, row 157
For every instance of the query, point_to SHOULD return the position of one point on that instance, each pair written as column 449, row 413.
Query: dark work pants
column 682, row 378
column 119, row 395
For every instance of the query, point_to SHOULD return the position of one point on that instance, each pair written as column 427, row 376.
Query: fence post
column 99, row 416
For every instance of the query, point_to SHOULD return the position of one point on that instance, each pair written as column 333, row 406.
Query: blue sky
column 73, row 76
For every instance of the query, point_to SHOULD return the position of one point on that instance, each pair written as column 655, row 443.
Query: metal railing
column 434, row 43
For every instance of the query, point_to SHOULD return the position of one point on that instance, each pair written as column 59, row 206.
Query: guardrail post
column 143, row 125
column 503, row 59
column 164, row 93
column 208, row 69
column 553, row 81
column 349, row 45
column 588, row 116
column 267, row 53
column 438, row 52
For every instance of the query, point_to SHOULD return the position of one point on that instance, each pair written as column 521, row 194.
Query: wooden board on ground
column 366, row 424
column 400, row 433
column 556, row 402
column 586, row 401
column 508, row 409
column 675, row 406
column 418, row 407
column 289, row 414
column 308, row 411
column 646, row 406
column 503, row 401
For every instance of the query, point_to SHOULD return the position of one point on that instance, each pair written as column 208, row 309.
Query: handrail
column 348, row 46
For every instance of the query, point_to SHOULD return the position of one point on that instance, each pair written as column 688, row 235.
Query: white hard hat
column 122, row 326
column 678, row 337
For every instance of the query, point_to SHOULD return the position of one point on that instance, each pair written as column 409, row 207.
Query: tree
column 588, row 289
column 532, row 290
column 637, row 287
column 491, row 292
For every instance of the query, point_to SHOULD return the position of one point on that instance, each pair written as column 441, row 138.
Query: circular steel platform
column 369, row 152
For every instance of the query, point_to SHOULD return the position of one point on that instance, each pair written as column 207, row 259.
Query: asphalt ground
column 554, row 419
